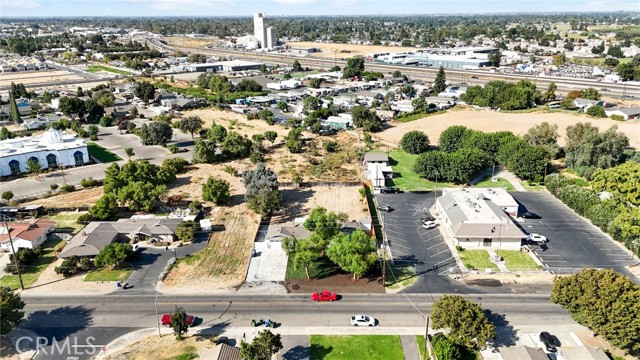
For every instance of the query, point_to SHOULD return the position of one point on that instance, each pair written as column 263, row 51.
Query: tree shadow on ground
column 297, row 353
column 506, row 335
column 293, row 201
column 69, row 320
column 319, row 352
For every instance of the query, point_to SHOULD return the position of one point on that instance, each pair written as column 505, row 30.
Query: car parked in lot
column 385, row 208
column 363, row 320
column 429, row 224
column 324, row 295
column 536, row 238
column 529, row 215
column 426, row 218
column 549, row 341
column 391, row 190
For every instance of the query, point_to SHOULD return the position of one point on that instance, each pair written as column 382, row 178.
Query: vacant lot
column 486, row 120
column 182, row 41
column 300, row 202
column 80, row 198
column 358, row 347
column 345, row 51
column 35, row 77
column 164, row 348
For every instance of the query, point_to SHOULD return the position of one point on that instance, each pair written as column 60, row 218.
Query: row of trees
column 588, row 149
column 503, row 95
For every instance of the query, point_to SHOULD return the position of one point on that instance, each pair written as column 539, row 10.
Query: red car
column 166, row 320
column 324, row 296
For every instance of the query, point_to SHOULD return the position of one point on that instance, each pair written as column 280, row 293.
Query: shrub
column 617, row 117
column 174, row 148
column 84, row 219
column 90, row 182
column 7, row 195
column 67, row 188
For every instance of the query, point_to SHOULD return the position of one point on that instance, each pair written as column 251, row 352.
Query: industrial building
column 480, row 218
column 449, row 58
column 264, row 34
column 229, row 66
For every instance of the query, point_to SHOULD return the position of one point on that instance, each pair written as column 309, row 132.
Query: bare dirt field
column 34, row 77
column 164, row 347
column 329, row 50
column 80, row 198
column 342, row 283
column 182, row 41
column 489, row 121
column 300, row 202
column 234, row 121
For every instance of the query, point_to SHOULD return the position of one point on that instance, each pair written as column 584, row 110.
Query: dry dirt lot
column 300, row 202
column 489, row 121
column 164, row 348
column 182, row 41
column 32, row 77
column 329, row 50
column 80, row 198
column 234, row 121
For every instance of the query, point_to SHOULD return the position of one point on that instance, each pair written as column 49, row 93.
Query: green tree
column 248, row 85
column 626, row 71
column 559, row 59
column 104, row 208
column 432, row 164
column 612, row 62
column 282, row 106
column 179, row 323
column 294, row 141
column 186, row 230
column 296, row 66
column 190, row 124
column 217, row 133
column 141, row 195
column 440, row 83
column 204, row 152
column 33, row 166
column 13, row 107
column 314, row 83
column 465, row 320
column 621, row 179
column 72, row 107
column 236, row 146
column 94, row 110
column 444, row 348
column 106, row 121
column 129, row 152
column 325, row 224
column 311, row 103
column 330, row 146
column 263, row 347
column 11, row 306
column 355, row 67
column 414, row 142
column 145, row 91
column 451, row 139
column 270, row 136
column 156, row 133
column 355, row 253
column 7, row 195
column 366, row 119
column 261, row 190
column 495, row 58
column 550, row 94
column 596, row 111
column 113, row 254
column 591, row 94
column 304, row 256
column 5, row 134
column 604, row 301
column 216, row 190
column 544, row 134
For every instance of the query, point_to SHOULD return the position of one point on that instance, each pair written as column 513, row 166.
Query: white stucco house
column 52, row 149
column 25, row 235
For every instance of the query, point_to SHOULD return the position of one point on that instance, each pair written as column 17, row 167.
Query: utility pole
column 384, row 264
column 13, row 251
column 634, row 246
column 426, row 342
column 155, row 303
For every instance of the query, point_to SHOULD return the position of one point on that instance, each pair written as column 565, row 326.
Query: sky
column 274, row 8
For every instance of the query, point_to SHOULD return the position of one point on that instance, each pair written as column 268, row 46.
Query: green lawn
column 32, row 272
column 101, row 154
column 108, row 275
column 97, row 68
column 359, row 347
column 412, row 117
column 420, row 341
column 530, row 187
column 477, row 259
column 403, row 175
column 377, row 228
column 405, row 276
column 320, row 269
column 486, row 182
column 66, row 221
column 466, row 354
column 517, row 260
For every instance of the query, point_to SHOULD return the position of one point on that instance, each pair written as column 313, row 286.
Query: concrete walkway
column 500, row 173
column 500, row 264
column 410, row 347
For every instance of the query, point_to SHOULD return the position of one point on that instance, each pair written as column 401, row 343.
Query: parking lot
column 410, row 243
column 574, row 243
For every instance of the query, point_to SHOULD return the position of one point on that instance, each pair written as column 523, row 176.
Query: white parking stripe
column 443, row 251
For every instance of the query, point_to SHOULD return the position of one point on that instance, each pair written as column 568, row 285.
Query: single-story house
column 343, row 122
column 522, row 353
column 376, row 157
column 25, row 235
column 221, row 352
column 40, row 122
column 581, row 353
column 98, row 234
column 479, row 218
column 629, row 113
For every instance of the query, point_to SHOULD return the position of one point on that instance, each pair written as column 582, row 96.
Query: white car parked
column 363, row 320
column 429, row 224
column 537, row 238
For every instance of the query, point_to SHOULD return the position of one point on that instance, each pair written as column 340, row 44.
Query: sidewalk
column 500, row 264
column 410, row 347
column 500, row 173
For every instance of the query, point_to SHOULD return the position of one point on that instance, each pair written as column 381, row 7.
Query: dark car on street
column 550, row 342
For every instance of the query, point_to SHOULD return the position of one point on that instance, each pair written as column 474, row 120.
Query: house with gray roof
column 479, row 218
column 98, row 234
column 628, row 113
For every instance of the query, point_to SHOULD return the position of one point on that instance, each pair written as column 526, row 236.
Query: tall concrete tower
column 259, row 29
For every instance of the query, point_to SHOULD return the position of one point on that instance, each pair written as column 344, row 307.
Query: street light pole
column 634, row 246
column 155, row 303
column 13, row 251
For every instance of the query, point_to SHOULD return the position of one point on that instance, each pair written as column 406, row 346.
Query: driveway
column 574, row 243
column 426, row 249
column 147, row 269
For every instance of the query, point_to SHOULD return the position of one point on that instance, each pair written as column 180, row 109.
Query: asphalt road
column 574, row 243
column 111, row 316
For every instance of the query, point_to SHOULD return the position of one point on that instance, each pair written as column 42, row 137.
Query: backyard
column 101, row 154
column 31, row 273
column 357, row 347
